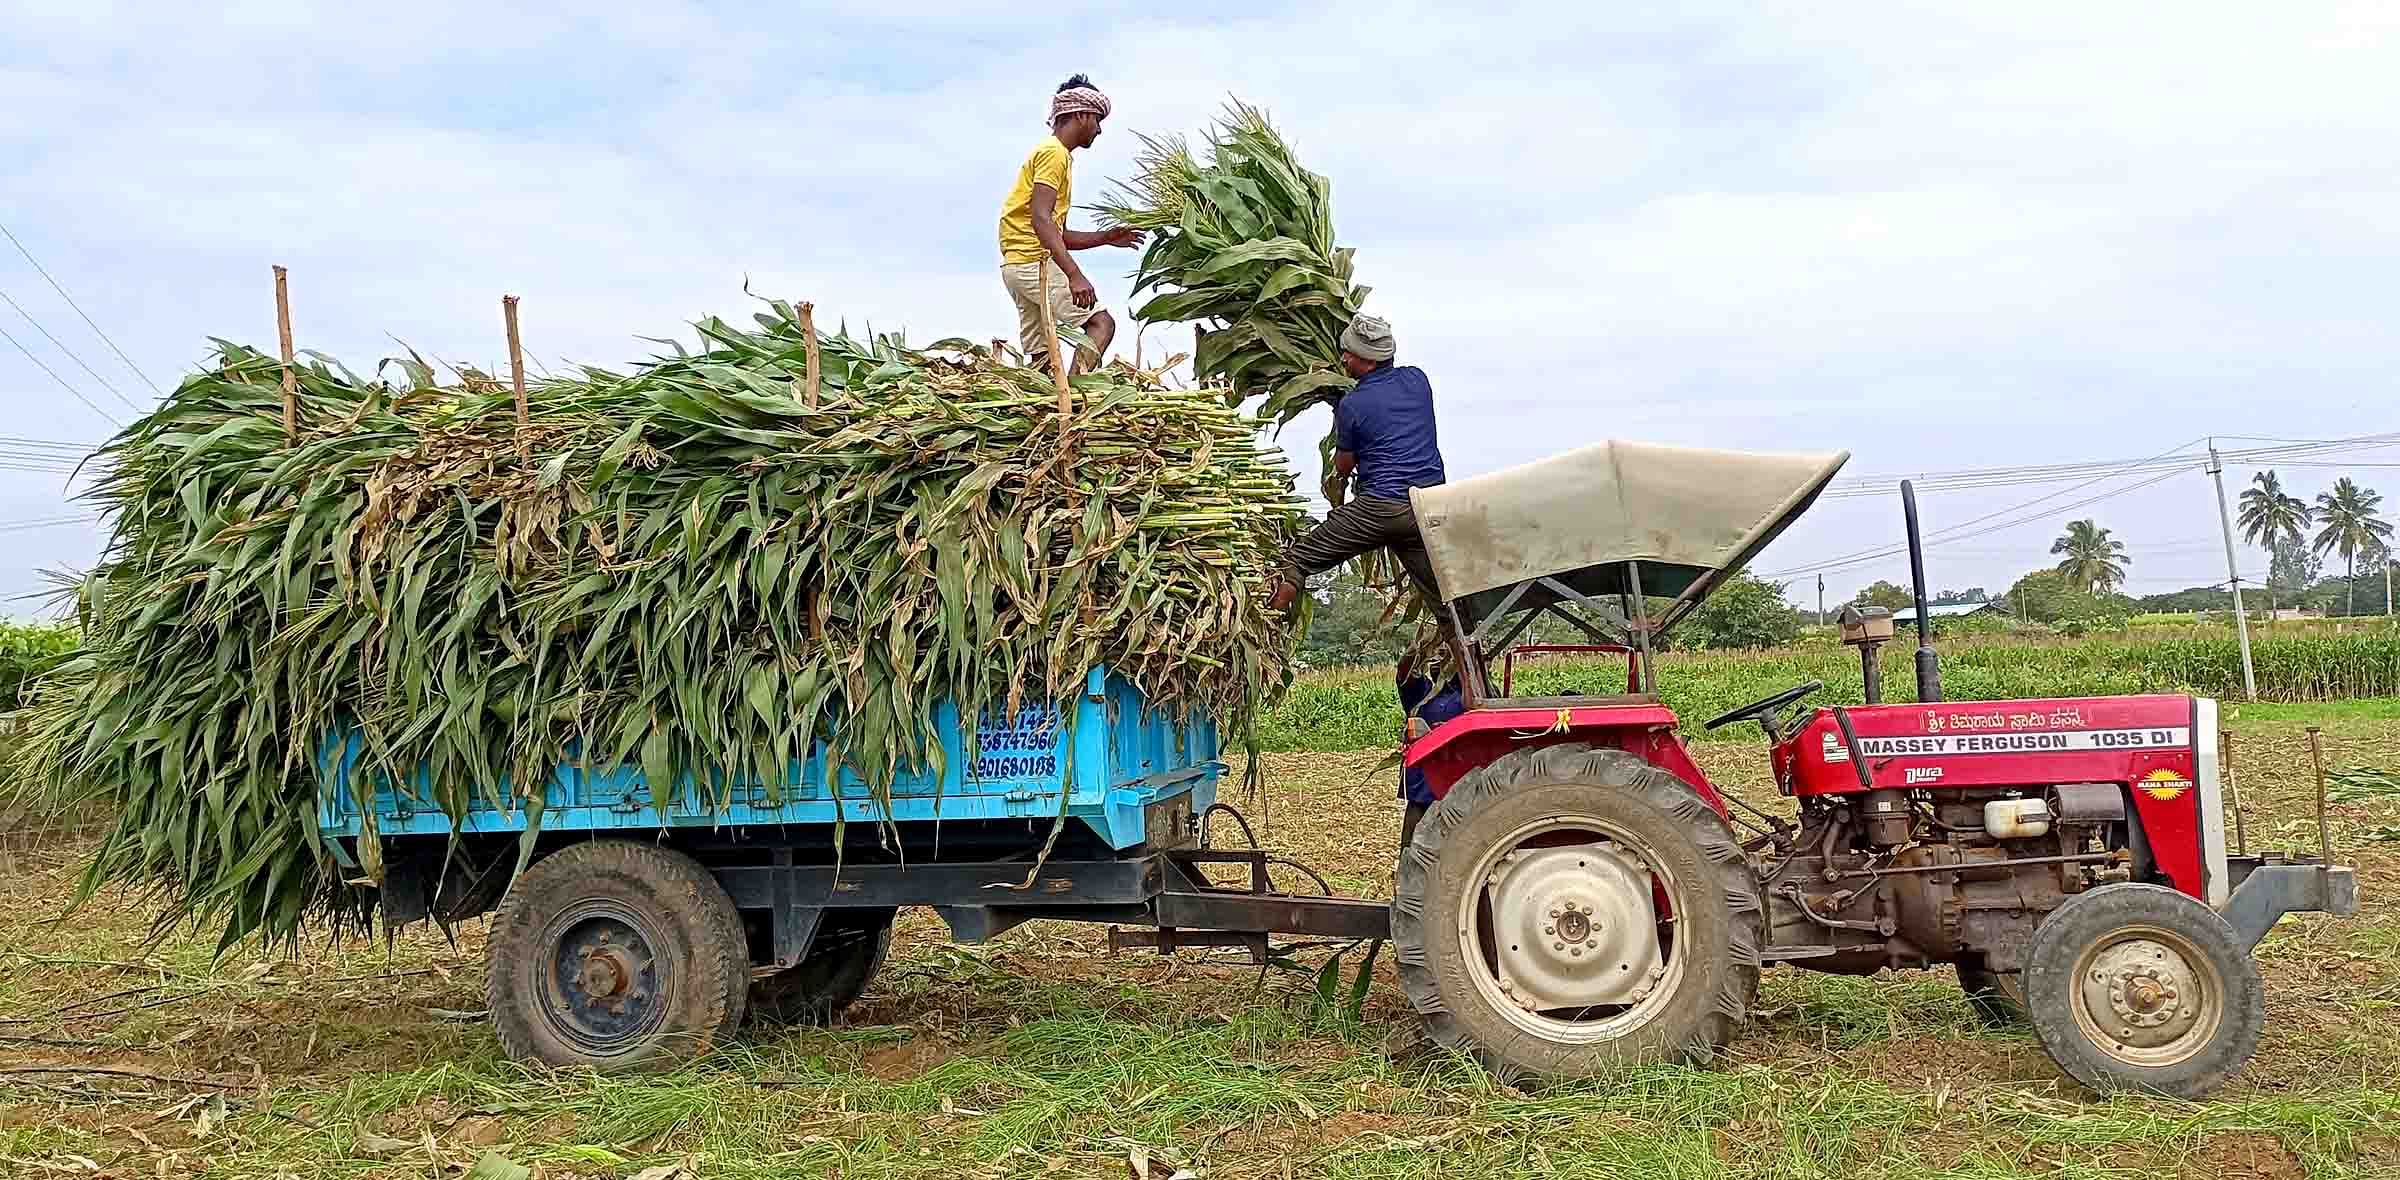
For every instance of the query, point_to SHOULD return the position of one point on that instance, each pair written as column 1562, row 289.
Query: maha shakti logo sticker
column 2165, row 785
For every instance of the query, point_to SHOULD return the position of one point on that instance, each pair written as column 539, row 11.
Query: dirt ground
column 1040, row 1054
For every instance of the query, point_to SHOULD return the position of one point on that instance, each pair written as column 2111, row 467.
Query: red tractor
column 1579, row 897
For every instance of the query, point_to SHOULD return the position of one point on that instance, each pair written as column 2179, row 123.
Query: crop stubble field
column 1038, row 1054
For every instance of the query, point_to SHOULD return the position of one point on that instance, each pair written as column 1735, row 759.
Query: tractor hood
column 1686, row 515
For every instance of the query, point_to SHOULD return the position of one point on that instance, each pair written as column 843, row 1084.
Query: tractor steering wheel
column 1766, row 707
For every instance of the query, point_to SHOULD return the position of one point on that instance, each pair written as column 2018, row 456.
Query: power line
column 62, row 382
column 2165, row 463
column 62, row 293
column 1871, row 557
column 2291, row 450
column 15, row 526
column 62, row 347
column 1956, row 532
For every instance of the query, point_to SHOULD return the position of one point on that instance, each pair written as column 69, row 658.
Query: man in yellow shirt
column 1034, row 238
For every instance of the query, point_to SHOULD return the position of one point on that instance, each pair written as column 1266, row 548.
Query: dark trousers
column 1361, row 526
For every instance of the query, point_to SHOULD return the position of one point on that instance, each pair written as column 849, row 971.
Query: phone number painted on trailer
column 2163, row 738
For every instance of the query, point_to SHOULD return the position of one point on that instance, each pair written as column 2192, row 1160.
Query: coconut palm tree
column 2270, row 515
column 2093, row 560
column 2354, row 528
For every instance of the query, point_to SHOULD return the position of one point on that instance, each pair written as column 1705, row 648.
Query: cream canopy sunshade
column 1681, row 512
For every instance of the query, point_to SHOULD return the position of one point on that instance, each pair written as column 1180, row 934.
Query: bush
column 1747, row 612
column 27, row 650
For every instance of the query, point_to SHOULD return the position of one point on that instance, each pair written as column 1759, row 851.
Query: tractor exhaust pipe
column 1929, row 666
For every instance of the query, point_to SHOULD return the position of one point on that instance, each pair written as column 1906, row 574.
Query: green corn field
column 1357, row 708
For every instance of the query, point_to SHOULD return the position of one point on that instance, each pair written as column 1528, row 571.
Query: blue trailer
column 648, row 923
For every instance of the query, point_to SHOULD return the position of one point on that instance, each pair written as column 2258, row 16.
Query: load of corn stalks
column 1243, row 245
column 704, row 567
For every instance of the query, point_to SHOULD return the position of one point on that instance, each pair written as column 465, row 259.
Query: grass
column 2322, row 713
column 1355, row 708
column 1037, row 1054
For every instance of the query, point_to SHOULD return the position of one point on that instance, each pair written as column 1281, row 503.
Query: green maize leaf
column 1244, row 240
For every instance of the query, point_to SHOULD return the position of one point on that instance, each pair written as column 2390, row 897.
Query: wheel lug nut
column 1592, row 943
column 1576, row 951
column 1554, row 913
column 1549, row 929
column 1558, row 946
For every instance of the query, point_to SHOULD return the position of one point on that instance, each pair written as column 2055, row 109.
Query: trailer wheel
column 2138, row 987
column 1569, row 909
column 1996, row 997
column 618, row 956
column 849, row 948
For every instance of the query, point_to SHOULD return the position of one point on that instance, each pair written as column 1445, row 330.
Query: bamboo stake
column 283, row 330
column 2233, row 786
column 1058, row 359
column 516, row 375
column 2316, row 758
column 808, row 332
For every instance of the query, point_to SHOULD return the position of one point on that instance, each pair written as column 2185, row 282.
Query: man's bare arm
column 1055, row 242
column 1045, row 200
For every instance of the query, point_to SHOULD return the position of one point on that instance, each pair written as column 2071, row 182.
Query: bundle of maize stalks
column 1244, row 244
column 701, row 567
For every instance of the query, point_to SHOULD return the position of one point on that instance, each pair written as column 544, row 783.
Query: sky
column 1940, row 236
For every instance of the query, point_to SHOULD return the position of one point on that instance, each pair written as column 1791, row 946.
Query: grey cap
column 1368, row 336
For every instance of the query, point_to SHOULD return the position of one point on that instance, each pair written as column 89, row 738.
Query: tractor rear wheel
column 1996, row 997
column 2138, row 987
column 849, row 948
column 1569, row 909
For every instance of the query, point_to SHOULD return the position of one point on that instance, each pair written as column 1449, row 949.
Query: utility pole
column 1821, row 600
column 2241, row 617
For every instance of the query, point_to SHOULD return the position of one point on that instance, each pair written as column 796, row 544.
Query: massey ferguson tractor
column 1580, row 897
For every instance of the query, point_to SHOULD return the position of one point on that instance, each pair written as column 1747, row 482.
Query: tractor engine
column 1898, row 878
column 1944, row 832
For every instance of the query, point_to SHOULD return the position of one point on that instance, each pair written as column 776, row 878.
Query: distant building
column 1907, row 617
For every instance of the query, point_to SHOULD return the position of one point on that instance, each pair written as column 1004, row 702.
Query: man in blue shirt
column 1421, row 699
column 1384, row 437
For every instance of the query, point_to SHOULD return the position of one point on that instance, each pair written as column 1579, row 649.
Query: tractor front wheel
column 2138, row 987
column 1568, row 909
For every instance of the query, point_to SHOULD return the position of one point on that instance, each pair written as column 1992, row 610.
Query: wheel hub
column 2145, row 993
column 605, row 974
column 1573, row 926
column 604, row 978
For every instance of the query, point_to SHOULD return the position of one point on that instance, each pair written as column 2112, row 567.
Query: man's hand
column 1123, row 235
column 1336, row 487
column 1286, row 593
column 1080, row 289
